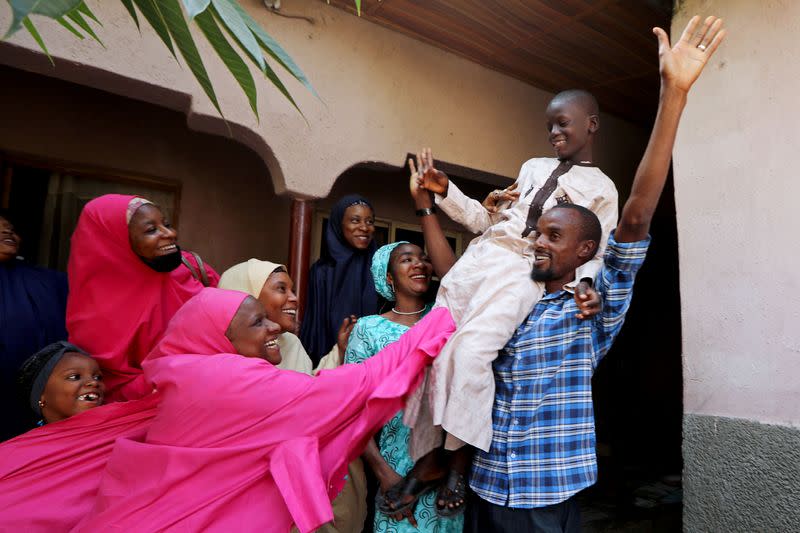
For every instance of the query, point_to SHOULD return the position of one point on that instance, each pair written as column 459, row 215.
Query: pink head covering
column 199, row 326
column 118, row 307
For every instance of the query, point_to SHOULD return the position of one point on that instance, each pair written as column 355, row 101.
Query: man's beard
column 165, row 263
column 542, row 275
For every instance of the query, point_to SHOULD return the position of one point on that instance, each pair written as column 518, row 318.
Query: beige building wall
column 382, row 95
column 736, row 191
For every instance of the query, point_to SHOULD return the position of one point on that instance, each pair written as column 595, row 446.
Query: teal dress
column 370, row 335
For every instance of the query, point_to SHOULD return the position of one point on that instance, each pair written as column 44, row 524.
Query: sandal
column 453, row 492
column 407, row 487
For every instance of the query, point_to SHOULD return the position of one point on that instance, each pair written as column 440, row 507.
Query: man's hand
column 344, row 335
column 431, row 179
column 682, row 64
column 499, row 196
column 588, row 300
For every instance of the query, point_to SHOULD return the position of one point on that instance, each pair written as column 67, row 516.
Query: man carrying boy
column 543, row 444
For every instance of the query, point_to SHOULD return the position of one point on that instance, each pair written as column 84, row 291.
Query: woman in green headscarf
column 402, row 274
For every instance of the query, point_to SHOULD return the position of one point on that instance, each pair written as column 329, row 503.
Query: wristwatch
column 426, row 211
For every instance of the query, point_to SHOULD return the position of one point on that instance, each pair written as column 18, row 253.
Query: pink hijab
column 238, row 444
column 49, row 476
column 118, row 307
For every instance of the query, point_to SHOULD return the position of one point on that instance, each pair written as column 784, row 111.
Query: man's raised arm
column 680, row 67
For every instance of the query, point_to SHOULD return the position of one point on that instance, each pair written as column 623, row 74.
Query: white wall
column 736, row 193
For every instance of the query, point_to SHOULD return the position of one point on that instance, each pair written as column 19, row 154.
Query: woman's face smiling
column 358, row 226
column 151, row 234
column 253, row 334
column 410, row 270
column 75, row 385
column 9, row 241
column 280, row 301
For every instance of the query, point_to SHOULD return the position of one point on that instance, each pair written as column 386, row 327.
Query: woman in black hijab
column 340, row 282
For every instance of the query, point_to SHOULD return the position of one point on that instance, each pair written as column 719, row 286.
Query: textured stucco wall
column 382, row 96
column 740, row 476
column 736, row 197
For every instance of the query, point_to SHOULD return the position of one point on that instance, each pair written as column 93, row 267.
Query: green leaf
column 272, row 48
column 151, row 12
column 358, row 7
column 172, row 15
column 83, row 8
column 76, row 17
column 229, row 56
column 237, row 27
column 276, row 81
column 195, row 7
column 36, row 37
column 129, row 6
column 70, row 27
column 20, row 9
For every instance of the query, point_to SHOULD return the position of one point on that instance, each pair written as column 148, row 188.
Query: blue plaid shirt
column 543, row 447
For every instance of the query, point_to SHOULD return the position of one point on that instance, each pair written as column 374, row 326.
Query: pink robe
column 118, row 307
column 49, row 476
column 239, row 445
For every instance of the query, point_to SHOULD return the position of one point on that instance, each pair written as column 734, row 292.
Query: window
column 45, row 199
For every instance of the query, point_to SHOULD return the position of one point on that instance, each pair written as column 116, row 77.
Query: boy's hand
column 422, row 198
column 588, row 300
column 499, row 196
column 431, row 179
column 682, row 64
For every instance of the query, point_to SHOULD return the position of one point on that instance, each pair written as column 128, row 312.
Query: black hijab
column 340, row 284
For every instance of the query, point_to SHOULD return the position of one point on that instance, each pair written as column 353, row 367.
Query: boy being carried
column 489, row 290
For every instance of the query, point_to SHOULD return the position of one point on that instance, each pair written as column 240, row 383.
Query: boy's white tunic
column 489, row 292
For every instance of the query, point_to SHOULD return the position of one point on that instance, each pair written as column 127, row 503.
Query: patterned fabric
column 370, row 335
column 134, row 206
column 543, row 448
column 379, row 268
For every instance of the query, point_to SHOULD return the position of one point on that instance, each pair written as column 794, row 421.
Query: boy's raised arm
column 680, row 66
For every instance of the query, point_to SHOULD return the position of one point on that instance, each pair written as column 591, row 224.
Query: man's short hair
column 583, row 98
column 590, row 227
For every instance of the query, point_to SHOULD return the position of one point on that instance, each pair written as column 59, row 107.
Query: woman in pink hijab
column 127, row 277
column 238, row 444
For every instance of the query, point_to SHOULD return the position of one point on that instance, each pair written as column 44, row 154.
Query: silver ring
column 702, row 47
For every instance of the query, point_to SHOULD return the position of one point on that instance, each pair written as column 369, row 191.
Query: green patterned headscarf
column 380, row 265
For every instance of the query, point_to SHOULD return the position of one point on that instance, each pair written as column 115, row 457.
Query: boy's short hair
column 583, row 98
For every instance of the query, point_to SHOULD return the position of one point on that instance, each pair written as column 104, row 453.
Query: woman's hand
column 344, row 335
column 498, row 196
column 682, row 64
